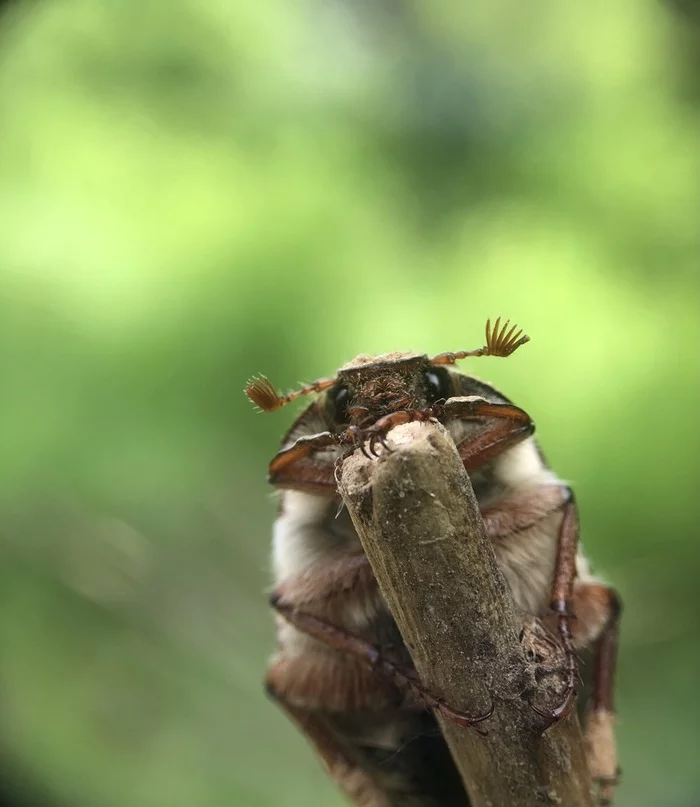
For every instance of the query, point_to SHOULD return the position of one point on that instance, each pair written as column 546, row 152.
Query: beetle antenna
column 500, row 341
column 261, row 392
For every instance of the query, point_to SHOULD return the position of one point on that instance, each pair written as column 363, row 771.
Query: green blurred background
column 191, row 193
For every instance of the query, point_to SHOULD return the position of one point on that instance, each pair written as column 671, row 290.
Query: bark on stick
column 415, row 512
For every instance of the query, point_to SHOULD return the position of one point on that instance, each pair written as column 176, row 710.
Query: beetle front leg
column 500, row 426
column 503, row 425
column 295, row 467
column 344, row 641
column 304, row 447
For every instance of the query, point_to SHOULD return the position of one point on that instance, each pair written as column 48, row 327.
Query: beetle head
column 368, row 388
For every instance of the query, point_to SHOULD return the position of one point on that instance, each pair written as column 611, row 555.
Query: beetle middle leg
column 345, row 641
column 561, row 604
column 517, row 514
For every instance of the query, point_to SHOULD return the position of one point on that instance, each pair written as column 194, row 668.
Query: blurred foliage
column 191, row 193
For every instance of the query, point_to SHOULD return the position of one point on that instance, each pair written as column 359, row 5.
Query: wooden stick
column 415, row 512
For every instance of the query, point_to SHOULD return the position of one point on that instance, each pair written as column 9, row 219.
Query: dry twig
column 419, row 524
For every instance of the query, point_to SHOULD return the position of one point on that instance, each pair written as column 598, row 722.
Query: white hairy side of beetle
column 310, row 532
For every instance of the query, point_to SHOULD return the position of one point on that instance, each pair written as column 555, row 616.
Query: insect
column 370, row 726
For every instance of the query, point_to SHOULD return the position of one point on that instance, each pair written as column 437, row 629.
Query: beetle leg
column 296, row 467
column 502, row 425
column 377, row 436
column 597, row 608
column 304, row 447
column 293, row 467
column 522, row 511
column 561, row 604
column 600, row 737
column 378, row 431
column 505, row 425
column 346, row 642
column 517, row 514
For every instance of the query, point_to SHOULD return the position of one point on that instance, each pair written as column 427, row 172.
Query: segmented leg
column 346, row 642
column 504, row 425
column 304, row 447
column 600, row 733
column 352, row 436
column 501, row 426
column 597, row 611
column 561, row 605
column 377, row 432
column 520, row 512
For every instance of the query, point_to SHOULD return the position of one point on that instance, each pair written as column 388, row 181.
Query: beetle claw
column 553, row 716
column 466, row 721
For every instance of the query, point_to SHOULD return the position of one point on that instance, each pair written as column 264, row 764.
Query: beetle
column 341, row 671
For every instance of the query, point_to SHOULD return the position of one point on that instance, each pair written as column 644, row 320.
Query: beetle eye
column 341, row 398
column 437, row 384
